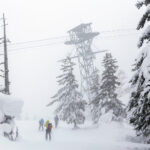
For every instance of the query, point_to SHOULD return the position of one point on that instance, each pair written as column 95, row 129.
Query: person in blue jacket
column 56, row 119
column 41, row 124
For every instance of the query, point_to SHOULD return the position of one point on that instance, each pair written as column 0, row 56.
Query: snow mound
column 9, row 106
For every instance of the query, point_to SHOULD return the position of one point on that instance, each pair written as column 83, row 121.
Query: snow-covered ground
column 112, row 136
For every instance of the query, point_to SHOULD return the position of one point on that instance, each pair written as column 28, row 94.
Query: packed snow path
column 107, row 137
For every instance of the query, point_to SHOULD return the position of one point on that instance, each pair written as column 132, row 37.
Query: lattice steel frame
column 82, row 37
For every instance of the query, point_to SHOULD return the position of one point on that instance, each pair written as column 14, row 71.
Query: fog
column 34, row 65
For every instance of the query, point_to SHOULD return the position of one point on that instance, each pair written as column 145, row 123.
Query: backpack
column 50, row 126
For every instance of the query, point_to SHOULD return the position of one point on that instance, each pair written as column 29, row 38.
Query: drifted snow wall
column 9, row 106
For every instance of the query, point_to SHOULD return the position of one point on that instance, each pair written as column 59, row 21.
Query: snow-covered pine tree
column 139, row 104
column 95, row 107
column 108, row 98
column 71, row 105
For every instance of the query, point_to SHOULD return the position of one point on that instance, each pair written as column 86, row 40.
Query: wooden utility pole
column 6, row 70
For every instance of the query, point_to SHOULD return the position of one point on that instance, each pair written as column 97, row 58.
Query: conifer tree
column 71, row 105
column 108, row 99
column 139, row 104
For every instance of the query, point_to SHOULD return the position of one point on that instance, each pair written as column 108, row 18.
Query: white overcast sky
column 33, row 71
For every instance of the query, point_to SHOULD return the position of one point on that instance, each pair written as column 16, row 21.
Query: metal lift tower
column 82, row 37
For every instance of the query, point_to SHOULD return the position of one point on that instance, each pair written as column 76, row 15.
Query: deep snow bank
column 9, row 106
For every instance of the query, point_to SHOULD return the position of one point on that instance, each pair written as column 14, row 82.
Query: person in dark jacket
column 56, row 119
column 48, row 131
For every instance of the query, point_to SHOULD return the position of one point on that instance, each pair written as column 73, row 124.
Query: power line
column 119, row 30
column 38, row 46
column 62, row 37
column 47, row 45
column 116, row 36
column 40, row 40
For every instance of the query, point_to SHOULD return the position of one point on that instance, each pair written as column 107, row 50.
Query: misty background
column 34, row 65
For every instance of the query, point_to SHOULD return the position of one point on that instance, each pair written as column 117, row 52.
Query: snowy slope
column 111, row 136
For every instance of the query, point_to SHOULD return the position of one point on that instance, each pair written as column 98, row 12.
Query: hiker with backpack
column 41, row 124
column 48, row 126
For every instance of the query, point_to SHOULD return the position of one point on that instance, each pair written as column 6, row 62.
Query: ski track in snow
column 107, row 137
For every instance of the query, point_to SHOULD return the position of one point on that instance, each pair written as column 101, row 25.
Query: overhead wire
column 60, row 37
column 40, row 40
column 119, row 30
column 116, row 36
column 27, row 44
column 36, row 46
